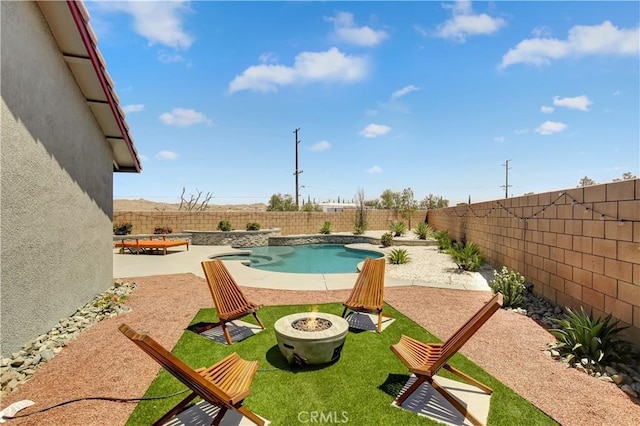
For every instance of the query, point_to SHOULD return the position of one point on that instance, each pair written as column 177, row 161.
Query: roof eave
column 89, row 70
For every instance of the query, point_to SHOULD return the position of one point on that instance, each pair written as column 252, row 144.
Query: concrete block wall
column 290, row 223
column 579, row 247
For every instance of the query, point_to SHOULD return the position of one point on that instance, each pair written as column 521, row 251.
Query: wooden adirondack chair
column 225, row 384
column 426, row 359
column 368, row 292
column 228, row 299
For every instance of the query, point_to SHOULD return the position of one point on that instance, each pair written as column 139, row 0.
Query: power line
column 297, row 172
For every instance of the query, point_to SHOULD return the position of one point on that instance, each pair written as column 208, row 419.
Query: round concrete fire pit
column 311, row 338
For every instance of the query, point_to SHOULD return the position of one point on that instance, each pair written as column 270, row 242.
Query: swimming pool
column 305, row 259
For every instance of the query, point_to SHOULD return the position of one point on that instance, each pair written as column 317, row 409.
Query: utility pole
column 506, row 183
column 297, row 172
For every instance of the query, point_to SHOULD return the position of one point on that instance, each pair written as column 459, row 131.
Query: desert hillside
column 146, row 205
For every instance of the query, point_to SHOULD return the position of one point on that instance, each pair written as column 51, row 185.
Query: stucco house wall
column 56, row 184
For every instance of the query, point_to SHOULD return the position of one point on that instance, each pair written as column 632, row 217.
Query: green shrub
column 442, row 237
column 468, row 256
column 326, row 228
column 423, row 231
column 310, row 207
column 399, row 257
column 252, row 226
column 387, row 239
column 581, row 336
column 122, row 228
column 398, row 228
column 510, row 284
column 224, row 225
column 162, row 230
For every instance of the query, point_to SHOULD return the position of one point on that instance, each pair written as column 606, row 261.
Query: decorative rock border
column 294, row 240
column 22, row 365
column 233, row 238
column 272, row 237
column 625, row 375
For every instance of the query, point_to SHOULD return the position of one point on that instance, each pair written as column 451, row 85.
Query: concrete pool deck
column 180, row 261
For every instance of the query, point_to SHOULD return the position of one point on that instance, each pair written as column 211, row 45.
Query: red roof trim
column 81, row 24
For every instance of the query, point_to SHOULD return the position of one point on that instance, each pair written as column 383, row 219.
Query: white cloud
column 550, row 127
column 375, row 130
column 184, row 117
column 582, row 40
column 461, row 7
column 160, row 22
column 268, row 58
column 170, row 58
column 348, row 32
column 541, row 31
column 535, row 51
column 128, row 109
column 166, row 155
column 617, row 93
column 143, row 158
column 405, row 90
column 546, row 109
column 320, row 146
column 604, row 39
column 465, row 23
column 374, row 170
column 498, row 139
column 331, row 65
column 421, row 30
column 579, row 102
column 521, row 131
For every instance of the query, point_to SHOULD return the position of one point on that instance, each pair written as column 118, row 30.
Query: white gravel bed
column 432, row 267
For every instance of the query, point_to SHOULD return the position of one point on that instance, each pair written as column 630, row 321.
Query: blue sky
column 433, row 95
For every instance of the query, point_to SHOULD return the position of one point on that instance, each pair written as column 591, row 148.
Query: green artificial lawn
column 358, row 389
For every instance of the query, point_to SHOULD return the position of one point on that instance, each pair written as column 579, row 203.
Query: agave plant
column 399, row 257
column 358, row 230
column 398, row 228
column 442, row 237
column 581, row 336
column 468, row 256
column 423, row 231
column 326, row 228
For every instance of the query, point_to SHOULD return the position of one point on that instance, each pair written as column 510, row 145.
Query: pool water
column 305, row 259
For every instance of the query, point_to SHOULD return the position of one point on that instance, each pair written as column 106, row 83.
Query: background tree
column 194, row 203
column 372, row 204
column 361, row 211
column 281, row 203
column 310, row 207
column 586, row 181
column 407, row 205
column 626, row 176
column 433, row 202
column 387, row 199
